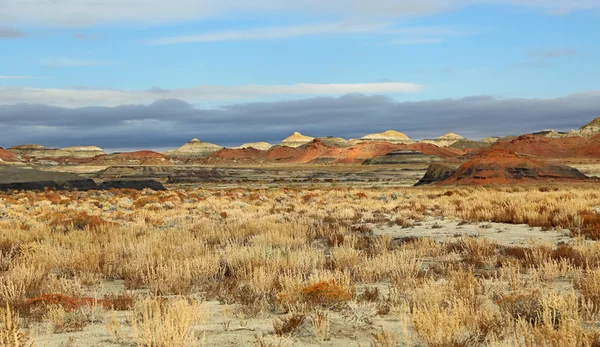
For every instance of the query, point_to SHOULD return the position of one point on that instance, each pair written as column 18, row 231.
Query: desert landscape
column 378, row 241
column 271, row 173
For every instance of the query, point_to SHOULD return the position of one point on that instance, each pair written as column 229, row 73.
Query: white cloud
column 92, row 12
column 86, row 97
column 274, row 33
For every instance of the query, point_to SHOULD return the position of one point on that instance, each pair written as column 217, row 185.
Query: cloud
column 274, row 33
column 86, row 96
column 170, row 123
column 541, row 57
column 69, row 62
column 83, row 13
column 10, row 33
column 386, row 30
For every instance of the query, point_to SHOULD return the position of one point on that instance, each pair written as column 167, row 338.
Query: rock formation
column 500, row 166
column 444, row 140
column 468, row 144
column 195, row 149
column 132, row 184
column 334, row 141
column 402, row 157
column 437, row 172
column 589, row 130
column 83, row 151
column 296, row 140
column 552, row 148
column 40, row 152
column 391, row 136
column 490, row 139
column 263, row 146
column 129, row 158
column 13, row 178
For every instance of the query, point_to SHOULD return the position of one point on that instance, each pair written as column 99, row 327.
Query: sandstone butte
column 391, row 136
column 195, row 149
column 444, row 140
column 296, row 140
column 263, row 146
column 500, row 166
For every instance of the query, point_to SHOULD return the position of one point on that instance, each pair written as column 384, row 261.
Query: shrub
column 11, row 333
column 326, row 293
column 162, row 323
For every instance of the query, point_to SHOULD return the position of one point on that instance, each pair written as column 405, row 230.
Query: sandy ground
column 224, row 329
column 502, row 234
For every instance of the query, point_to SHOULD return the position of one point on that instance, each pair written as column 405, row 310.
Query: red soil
column 566, row 147
column 282, row 153
column 311, row 151
column 125, row 158
column 442, row 152
column 499, row 166
column 8, row 156
column 317, row 149
column 365, row 150
column 67, row 302
column 239, row 154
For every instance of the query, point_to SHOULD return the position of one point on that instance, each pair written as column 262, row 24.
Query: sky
column 130, row 74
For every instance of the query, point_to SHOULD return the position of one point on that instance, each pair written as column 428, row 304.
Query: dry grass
column 285, row 253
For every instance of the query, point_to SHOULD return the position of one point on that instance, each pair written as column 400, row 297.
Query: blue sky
column 78, row 53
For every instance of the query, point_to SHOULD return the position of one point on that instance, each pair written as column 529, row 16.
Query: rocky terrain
column 39, row 151
column 263, row 146
column 444, row 140
column 15, row 178
column 402, row 157
column 523, row 159
column 499, row 166
column 296, row 140
column 194, row 149
column 391, row 136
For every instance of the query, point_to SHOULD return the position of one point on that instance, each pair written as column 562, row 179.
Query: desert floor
column 302, row 266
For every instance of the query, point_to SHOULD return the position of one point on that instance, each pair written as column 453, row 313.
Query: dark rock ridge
column 15, row 178
column 437, row 172
column 402, row 157
column 132, row 184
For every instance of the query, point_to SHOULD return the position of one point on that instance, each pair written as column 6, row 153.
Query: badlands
column 314, row 241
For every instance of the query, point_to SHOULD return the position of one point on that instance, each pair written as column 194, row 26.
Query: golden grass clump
column 162, row 323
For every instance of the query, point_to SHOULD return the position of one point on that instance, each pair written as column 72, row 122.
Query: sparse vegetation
column 307, row 260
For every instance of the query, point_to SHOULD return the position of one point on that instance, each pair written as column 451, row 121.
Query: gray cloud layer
column 170, row 123
column 10, row 33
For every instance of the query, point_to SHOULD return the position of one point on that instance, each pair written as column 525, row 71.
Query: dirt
column 137, row 158
column 452, row 229
column 499, row 166
column 559, row 148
